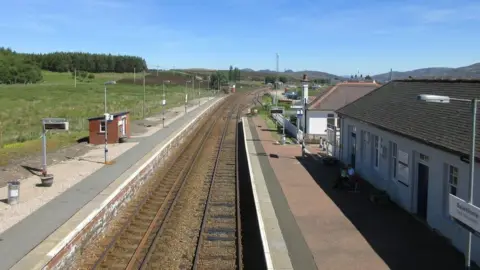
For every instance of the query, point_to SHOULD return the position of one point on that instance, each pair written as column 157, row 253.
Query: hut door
column 123, row 128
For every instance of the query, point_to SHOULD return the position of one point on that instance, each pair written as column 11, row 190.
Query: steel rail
column 151, row 248
column 205, row 212
column 142, row 203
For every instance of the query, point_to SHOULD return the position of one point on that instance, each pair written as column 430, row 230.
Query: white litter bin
column 13, row 192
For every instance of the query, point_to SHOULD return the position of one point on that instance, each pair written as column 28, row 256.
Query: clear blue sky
column 338, row 36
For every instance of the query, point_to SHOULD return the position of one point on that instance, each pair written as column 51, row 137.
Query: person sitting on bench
column 343, row 178
column 353, row 181
column 351, row 171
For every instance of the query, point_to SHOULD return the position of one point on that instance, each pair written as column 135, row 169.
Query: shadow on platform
column 395, row 235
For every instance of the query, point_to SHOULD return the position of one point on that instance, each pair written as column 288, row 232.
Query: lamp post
column 199, row 87
column 193, row 87
column 186, row 95
column 304, row 101
column 208, row 86
column 164, row 102
column 107, row 118
column 473, row 105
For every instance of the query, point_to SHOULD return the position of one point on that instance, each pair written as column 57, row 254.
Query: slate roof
column 340, row 95
column 394, row 107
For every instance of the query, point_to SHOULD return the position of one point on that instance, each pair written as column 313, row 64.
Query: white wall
column 406, row 195
column 317, row 122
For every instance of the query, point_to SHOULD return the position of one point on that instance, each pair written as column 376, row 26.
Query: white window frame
column 102, row 124
column 330, row 117
column 376, row 152
column 394, row 160
column 452, row 180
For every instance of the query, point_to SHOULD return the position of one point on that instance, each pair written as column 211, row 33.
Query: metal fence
column 289, row 127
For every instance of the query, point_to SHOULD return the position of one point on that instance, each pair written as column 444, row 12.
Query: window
column 394, row 160
column 330, row 122
column 424, row 157
column 102, row 126
column 376, row 151
column 452, row 180
column 339, row 122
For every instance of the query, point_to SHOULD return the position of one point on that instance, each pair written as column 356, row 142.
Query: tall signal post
column 276, row 83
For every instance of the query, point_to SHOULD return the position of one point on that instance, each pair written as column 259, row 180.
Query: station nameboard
column 55, row 123
column 467, row 213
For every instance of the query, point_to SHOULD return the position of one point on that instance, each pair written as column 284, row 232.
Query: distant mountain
column 298, row 74
column 260, row 74
column 468, row 72
column 316, row 74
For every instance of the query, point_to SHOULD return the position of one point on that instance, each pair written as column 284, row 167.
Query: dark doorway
column 422, row 194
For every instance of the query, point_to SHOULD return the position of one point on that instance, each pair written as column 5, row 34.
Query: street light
column 164, row 102
column 304, row 101
column 473, row 104
column 107, row 117
column 186, row 95
column 199, row 86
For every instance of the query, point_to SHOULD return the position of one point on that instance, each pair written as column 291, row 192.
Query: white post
column 106, row 126
column 304, row 101
column 143, row 111
column 468, row 253
column 44, row 150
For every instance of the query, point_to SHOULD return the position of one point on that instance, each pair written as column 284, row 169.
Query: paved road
column 20, row 239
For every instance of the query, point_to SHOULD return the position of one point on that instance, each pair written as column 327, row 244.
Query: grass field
column 23, row 107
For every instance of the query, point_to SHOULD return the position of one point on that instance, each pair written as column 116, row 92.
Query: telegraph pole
column 143, row 111
column 276, row 84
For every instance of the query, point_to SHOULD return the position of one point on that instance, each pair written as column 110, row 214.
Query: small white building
column 417, row 152
column 321, row 115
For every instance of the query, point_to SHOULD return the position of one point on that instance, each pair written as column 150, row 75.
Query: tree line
column 233, row 74
column 26, row 67
column 367, row 78
column 272, row 79
column 89, row 62
column 17, row 68
column 217, row 79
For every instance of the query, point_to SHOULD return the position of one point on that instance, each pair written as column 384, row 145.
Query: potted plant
column 47, row 179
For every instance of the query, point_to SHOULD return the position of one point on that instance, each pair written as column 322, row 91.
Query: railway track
column 127, row 247
column 219, row 242
column 206, row 172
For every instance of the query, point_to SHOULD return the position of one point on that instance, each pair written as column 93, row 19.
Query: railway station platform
column 306, row 224
column 50, row 235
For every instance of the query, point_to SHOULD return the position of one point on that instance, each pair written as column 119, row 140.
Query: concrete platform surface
column 20, row 239
column 345, row 230
column 67, row 174
column 283, row 243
